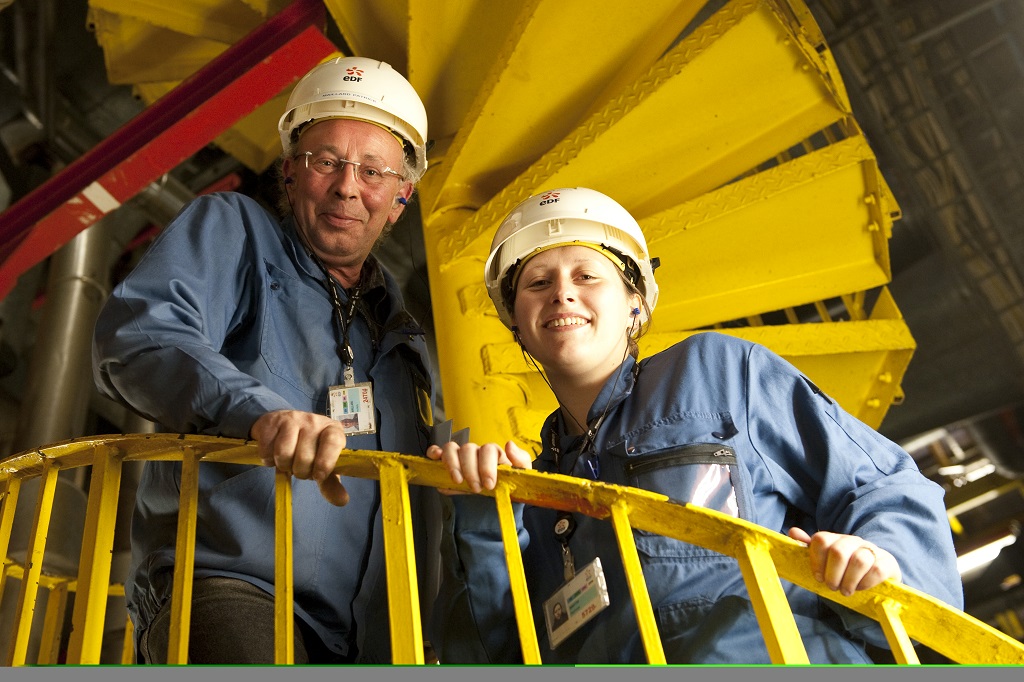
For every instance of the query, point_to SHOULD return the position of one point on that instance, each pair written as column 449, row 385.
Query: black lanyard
column 342, row 318
column 589, row 443
column 592, row 461
column 565, row 525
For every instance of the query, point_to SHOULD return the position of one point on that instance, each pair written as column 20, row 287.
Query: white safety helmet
column 359, row 88
column 561, row 217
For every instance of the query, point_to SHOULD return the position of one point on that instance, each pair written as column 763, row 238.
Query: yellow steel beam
column 88, row 617
column 284, row 589
column 135, row 51
column 517, row 575
column 221, row 20
column 267, row 8
column 806, row 230
column 451, row 49
column 26, row 607
column 378, row 29
column 523, row 76
column 472, row 398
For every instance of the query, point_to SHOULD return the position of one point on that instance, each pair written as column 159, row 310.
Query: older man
column 289, row 332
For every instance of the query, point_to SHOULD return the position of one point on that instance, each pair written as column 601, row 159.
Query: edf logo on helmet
column 354, row 74
column 549, row 198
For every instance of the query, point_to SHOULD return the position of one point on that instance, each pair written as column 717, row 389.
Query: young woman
column 714, row 421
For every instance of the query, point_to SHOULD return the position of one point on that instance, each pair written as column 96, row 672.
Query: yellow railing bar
column 128, row 646
column 781, row 636
column 403, row 592
column 517, row 576
column 1008, row 619
column 8, row 505
column 53, row 622
column 822, row 311
column 86, row 642
column 36, row 547
column 48, row 581
column 284, row 590
column 949, row 632
column 899, row 641
column 184, row 558
column 637, row 585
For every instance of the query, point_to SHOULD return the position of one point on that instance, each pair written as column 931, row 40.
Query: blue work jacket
column 226, row 317
column 725, row 424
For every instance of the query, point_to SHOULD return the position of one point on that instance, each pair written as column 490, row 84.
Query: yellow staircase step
column 809, row 229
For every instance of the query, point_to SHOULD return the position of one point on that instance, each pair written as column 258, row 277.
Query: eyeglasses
column 364, row 173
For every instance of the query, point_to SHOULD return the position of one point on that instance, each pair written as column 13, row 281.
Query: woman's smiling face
column 573, row 312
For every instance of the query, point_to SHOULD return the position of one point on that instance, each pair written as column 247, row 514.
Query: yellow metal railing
column 906, row 615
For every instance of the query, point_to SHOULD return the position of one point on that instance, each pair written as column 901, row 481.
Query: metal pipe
column 163, row 199
column 53, row 407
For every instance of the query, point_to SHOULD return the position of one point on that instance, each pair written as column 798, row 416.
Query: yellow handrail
column 905, row 614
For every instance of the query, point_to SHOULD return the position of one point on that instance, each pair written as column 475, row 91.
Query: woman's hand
column 477, row 465
column 846, row 562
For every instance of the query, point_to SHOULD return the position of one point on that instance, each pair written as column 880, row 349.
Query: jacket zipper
column 701, row 453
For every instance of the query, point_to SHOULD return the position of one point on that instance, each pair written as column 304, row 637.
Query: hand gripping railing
column 905, row 614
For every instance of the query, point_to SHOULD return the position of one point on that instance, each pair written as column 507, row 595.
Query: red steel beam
column 231, row 86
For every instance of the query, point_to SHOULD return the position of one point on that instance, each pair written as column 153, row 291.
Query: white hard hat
column 561, row 217
column 359, row 88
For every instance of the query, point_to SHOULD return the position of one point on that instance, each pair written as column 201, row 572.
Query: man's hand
column 846, row 562
column 477, row 465
column 305, row 445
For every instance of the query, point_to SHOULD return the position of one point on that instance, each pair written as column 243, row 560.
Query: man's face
column 338, row 211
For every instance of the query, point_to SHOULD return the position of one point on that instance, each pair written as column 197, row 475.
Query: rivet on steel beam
column 885, row 377
column 874, row 403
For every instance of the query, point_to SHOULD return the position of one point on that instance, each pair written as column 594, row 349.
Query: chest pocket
column 298, row 337
column 694, row 469
column 700, row 474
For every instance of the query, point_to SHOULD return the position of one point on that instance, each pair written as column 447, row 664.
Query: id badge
column 576, row 602
column 353, row 407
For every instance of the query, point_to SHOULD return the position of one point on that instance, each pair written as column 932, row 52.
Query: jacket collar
column 618, row 387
